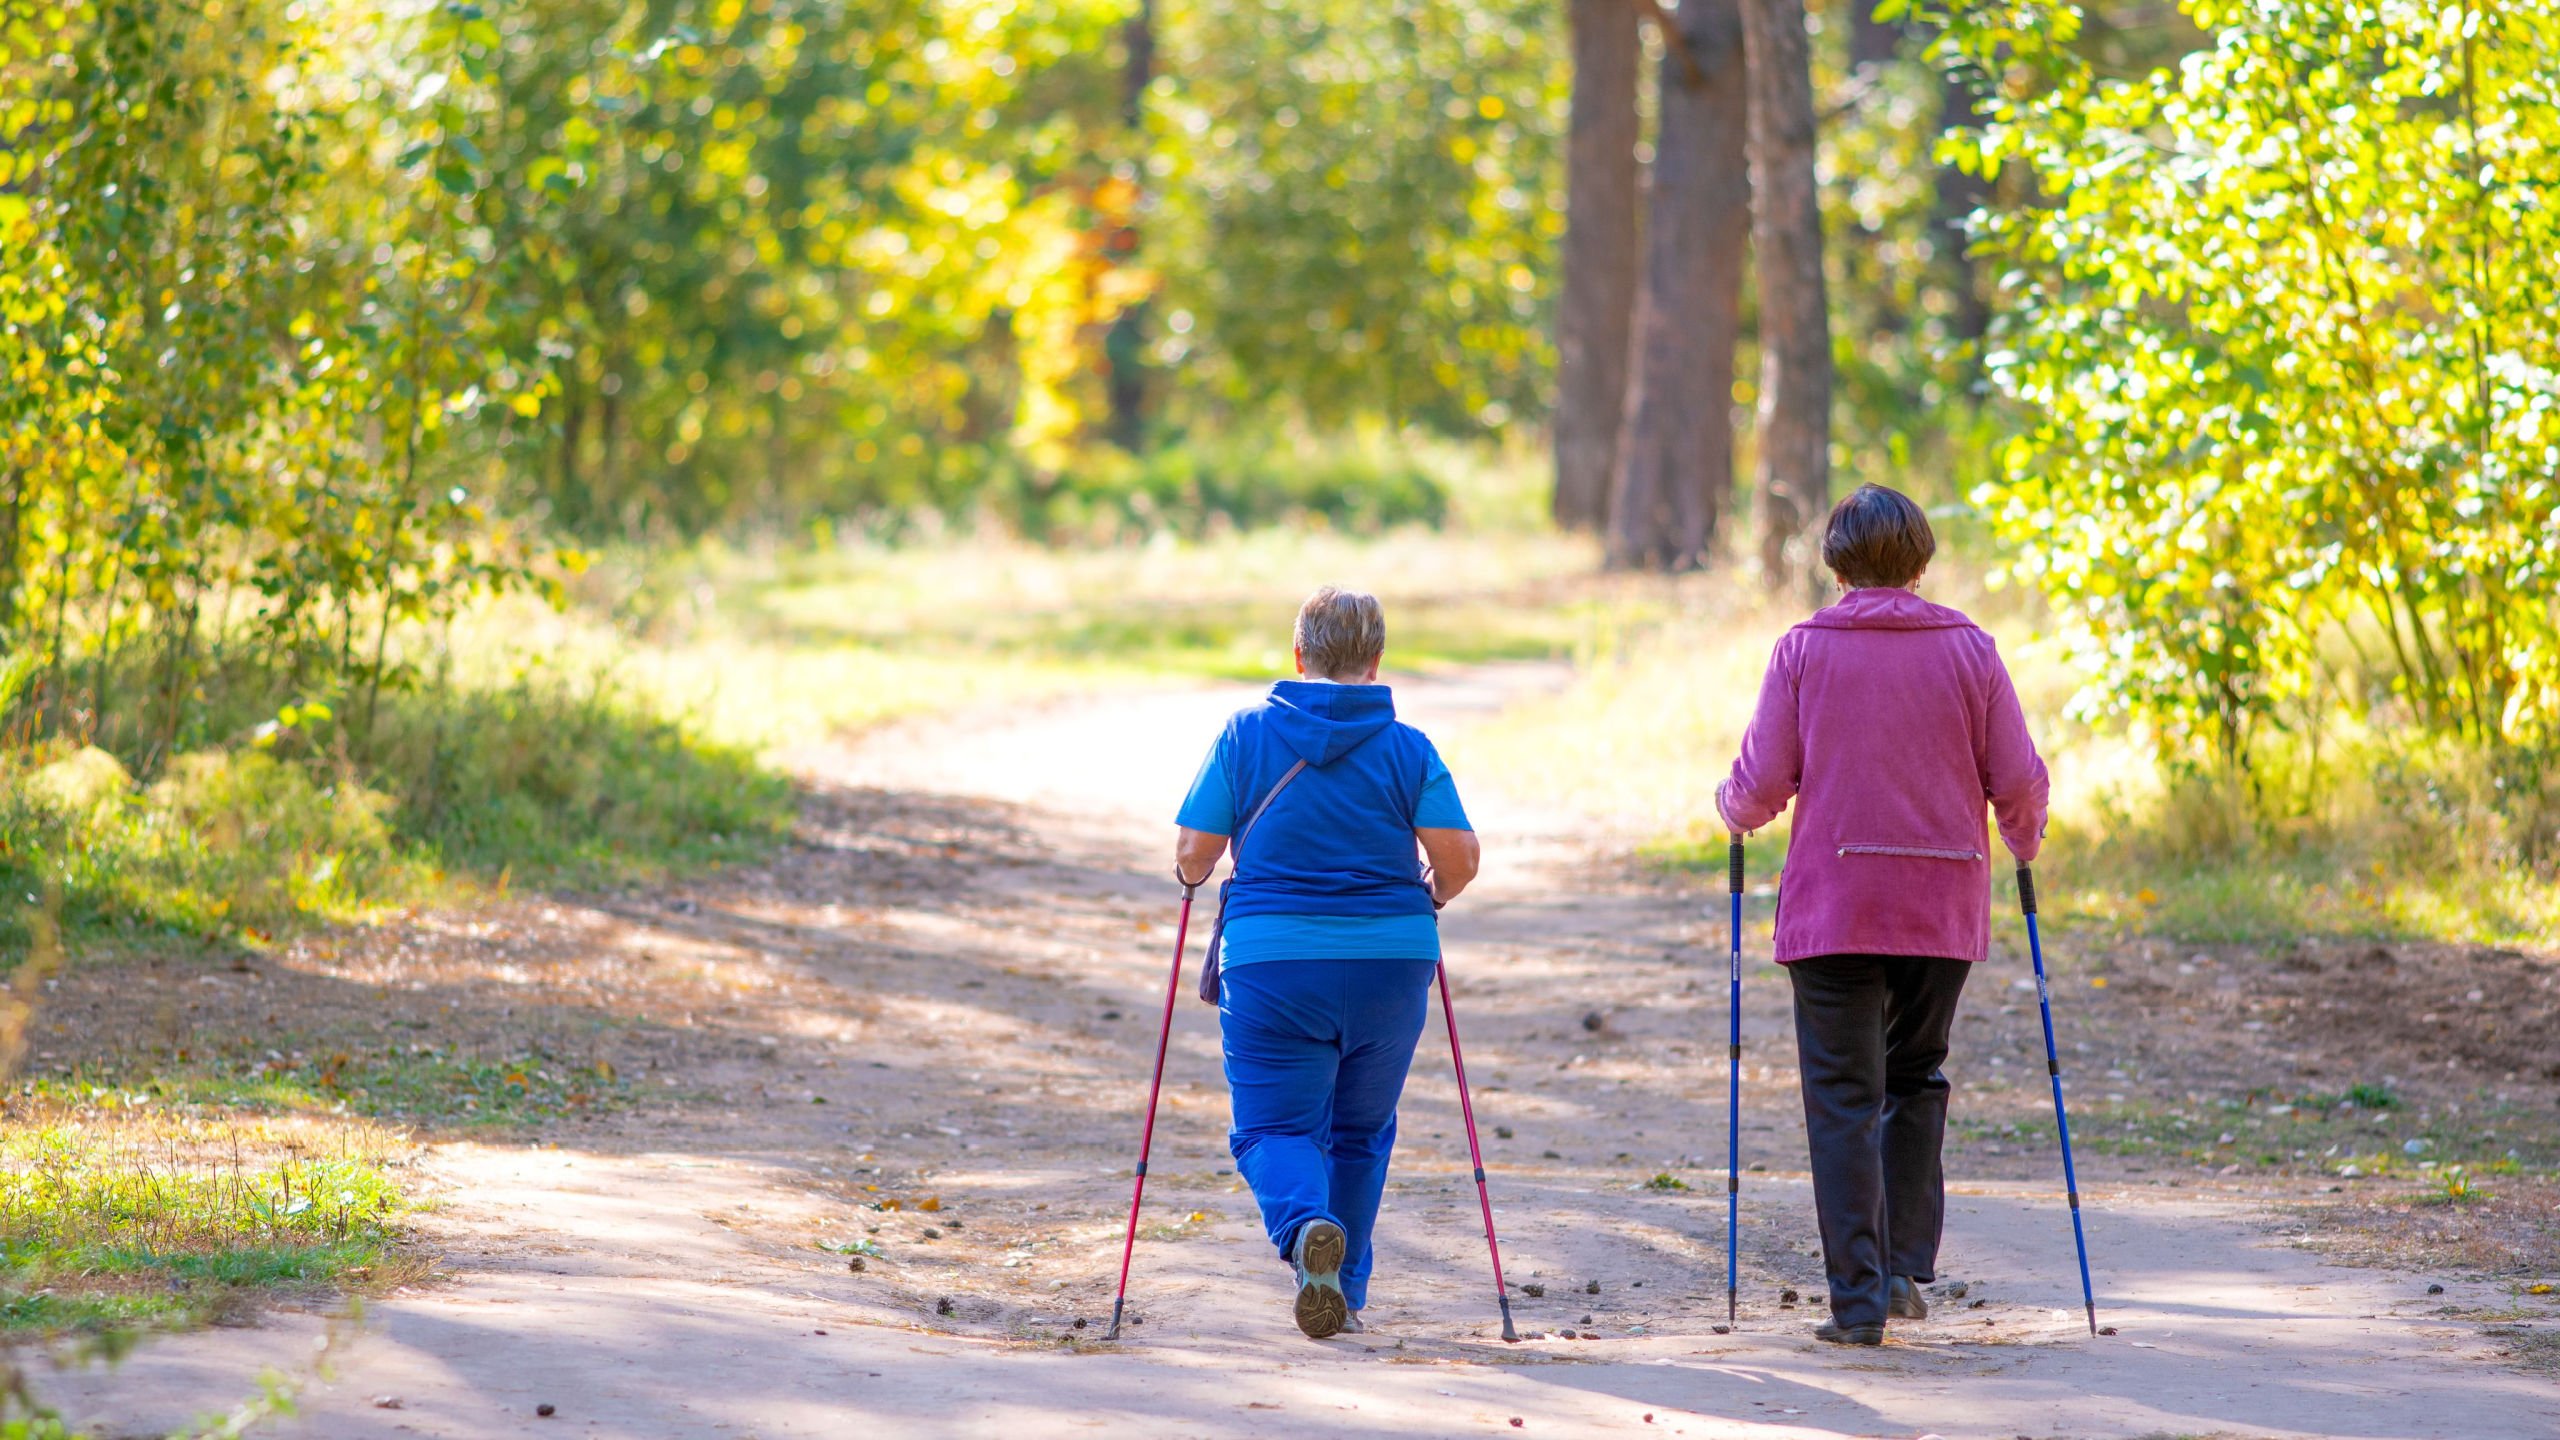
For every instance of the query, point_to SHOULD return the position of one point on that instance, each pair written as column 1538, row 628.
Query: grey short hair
column 1341, row 632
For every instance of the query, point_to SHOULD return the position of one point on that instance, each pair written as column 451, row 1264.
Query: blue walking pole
column 2053, row 1068
column 1733, row 1102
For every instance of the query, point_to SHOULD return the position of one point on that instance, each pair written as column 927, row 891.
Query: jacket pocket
column 1911, row 852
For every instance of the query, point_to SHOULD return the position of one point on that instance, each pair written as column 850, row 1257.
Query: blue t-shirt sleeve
column 1438, row 809
column 1210, row 808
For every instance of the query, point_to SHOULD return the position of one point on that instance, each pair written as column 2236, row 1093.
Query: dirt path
column 944, row 997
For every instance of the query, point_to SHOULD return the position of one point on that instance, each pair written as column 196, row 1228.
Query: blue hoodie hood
column 1321, row 722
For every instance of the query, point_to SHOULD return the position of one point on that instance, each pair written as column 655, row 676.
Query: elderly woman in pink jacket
column 1889, row 721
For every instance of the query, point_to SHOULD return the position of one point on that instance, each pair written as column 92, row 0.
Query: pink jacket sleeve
column 1766, row 773
column 2013, row 775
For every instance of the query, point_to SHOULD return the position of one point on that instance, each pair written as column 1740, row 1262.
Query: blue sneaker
column 1317, row 1255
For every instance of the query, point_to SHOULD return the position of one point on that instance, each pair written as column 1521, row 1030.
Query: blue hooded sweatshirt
column 1331, row 869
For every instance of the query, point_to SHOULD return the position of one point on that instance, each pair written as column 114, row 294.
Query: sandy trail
column 950, row 991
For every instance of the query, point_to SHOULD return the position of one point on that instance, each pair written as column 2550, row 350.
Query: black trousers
column 1871, row 1032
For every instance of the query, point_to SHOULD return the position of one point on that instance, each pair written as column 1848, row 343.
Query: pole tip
column 1114, row 1332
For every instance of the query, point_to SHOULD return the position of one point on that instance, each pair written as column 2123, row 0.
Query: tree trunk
column 1958, row 196
column 1675, row 452
column 1794, row 433
column 1124, row 345
column 572, row 500
column 1872, row 42
column 1596, row 313
column 11, row 506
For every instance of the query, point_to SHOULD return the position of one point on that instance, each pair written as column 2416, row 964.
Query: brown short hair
column 1877, row 537
column 1340, row 632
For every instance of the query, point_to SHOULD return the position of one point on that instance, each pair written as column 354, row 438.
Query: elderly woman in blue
column 1328, row 938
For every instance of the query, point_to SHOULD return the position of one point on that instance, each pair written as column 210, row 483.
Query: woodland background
column 458, row 450
column 336, row 333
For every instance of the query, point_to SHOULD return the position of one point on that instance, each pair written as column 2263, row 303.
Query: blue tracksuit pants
column 1316, row 1057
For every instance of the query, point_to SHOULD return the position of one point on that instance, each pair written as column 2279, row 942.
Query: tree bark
column 1872, row 42
column 11, row 506
column 1958, row 196
column 1596, row 313
column 1124, row 345
column 1675, row 450
column 1794, row 432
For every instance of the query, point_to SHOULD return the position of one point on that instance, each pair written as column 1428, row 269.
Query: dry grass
column 2374, row 834
column 780, row 647
column 2508, row 1226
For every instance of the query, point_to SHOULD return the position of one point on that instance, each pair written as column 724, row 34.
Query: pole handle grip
column 1733, row 864
column 2026, row 890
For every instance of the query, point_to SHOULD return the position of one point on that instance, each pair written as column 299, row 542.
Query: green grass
column 2308, row 1134
column 533, row 779
column 123, row 1216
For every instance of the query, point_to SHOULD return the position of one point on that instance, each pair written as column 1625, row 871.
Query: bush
column 2278, row 456
column 550, row 779
column 536, row 778
column 1197, row 487
column 223, row 841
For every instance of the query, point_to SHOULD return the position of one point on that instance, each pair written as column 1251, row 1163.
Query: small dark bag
column 1218, row 931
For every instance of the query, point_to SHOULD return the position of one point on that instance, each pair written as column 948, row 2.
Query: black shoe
column 1317, row 1255
column 1838, row 1334
column 1904, row 1301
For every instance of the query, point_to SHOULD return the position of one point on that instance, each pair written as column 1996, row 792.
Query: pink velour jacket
column 1889, row 721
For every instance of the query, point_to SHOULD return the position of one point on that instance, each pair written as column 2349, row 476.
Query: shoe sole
column 1321, row 1308
column 1856, row 1335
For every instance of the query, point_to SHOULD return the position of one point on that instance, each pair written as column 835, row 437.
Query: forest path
column 948, row 987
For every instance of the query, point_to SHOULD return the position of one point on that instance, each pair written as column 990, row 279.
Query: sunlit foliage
column 2282, row 336
column 242, row 305
column 1362, row 206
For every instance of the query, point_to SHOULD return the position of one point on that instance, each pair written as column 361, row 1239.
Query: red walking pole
column 1475, row 1151
column 1147, row 1139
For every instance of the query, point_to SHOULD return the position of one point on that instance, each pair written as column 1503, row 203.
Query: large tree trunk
column 1124, row 345
column 1675, row 453
column 1597, row 310
column 1794, row 434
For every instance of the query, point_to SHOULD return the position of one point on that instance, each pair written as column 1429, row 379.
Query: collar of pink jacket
column 1879, row 607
